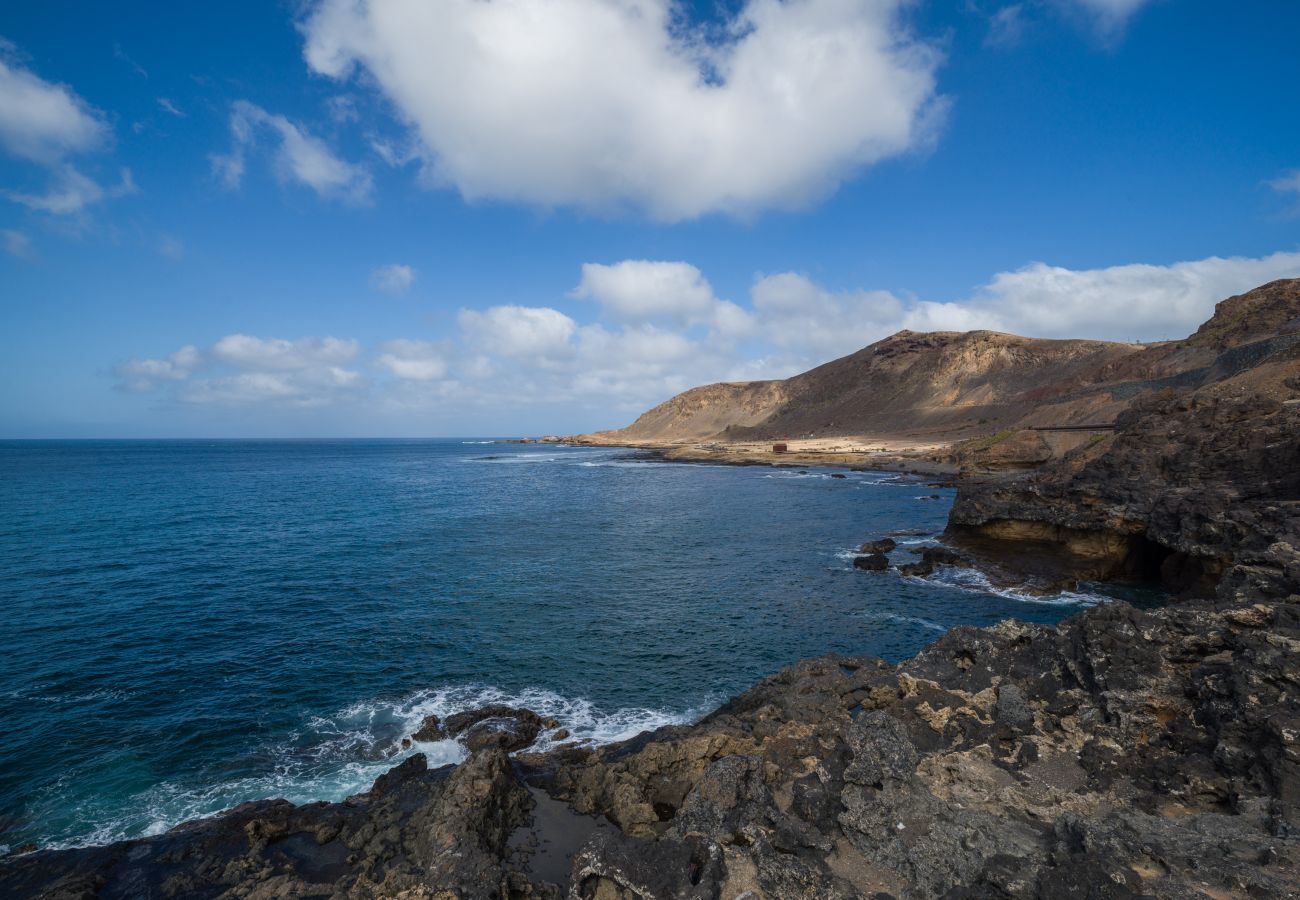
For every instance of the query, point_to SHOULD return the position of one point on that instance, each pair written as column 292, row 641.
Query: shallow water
column 191, row 624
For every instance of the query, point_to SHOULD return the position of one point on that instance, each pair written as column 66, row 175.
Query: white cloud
column 300, row 157
column 72, row 191
column 305, row 388
column 605, row 105
column 1123, row 302
column 676, row 293
column 1108, row 17
column 16, row 243
column 170, row 108
column 392, row 279
column 797, row 315
column 540, row 334
column 139, row 375
column 247, row 352
column 241, row 370
column 413, row 360
column 1288, row 184
column 44, row 122
column 1006, row 26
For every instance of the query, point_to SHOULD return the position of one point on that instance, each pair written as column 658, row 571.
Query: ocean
column 188, row 625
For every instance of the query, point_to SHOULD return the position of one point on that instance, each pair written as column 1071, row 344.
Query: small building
column 779, row 448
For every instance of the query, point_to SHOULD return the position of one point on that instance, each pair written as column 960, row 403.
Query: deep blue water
column 190, row 624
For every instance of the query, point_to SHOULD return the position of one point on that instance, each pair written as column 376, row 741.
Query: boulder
column 883, row 545
column 430, row 730
column 875, row 562
column 496, row 726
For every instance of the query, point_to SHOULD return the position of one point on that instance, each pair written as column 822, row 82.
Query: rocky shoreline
column 1123, row 753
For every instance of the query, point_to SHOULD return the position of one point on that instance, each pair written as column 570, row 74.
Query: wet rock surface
column 874, row 562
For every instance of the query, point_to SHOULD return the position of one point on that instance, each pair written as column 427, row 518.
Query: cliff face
column 1202, row 476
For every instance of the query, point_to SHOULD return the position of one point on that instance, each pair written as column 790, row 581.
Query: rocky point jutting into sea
column 1123, row 753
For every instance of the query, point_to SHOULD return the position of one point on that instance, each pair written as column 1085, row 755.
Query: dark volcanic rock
column 931, row 558
column 1149, row 753
column 883, row 545
column 876, row 562
column 430, row 730
column 415, row 831
column 1198, row 486
column 502, row 727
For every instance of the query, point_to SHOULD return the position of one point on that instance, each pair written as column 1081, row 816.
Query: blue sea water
column 187, row 625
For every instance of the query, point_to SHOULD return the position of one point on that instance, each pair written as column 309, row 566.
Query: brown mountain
column 947, row 386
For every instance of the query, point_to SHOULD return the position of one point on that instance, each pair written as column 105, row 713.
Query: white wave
column 910, row 620
column 977, row 581
column 478, row 442
column 334, row 757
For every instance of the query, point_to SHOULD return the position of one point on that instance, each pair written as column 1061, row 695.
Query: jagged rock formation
column 1121, row 754
column 1201, row 478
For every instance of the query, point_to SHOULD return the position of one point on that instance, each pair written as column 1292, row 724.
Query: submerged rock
column 875, row 562
column 502, row 727
column 430, row 730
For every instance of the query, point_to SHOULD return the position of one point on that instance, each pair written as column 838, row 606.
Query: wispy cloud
column 16, row 243
column 394, row 279
column 1289, row 185
column 299, row 157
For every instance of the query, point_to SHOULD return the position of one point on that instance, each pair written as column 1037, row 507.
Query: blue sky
column 391, row 217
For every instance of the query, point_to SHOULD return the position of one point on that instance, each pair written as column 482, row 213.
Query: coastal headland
column 1124, row 753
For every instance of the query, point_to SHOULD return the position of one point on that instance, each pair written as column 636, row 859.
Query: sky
column 418, row 218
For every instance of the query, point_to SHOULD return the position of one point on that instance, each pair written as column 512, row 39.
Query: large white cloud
column 796, row 314
column 538, row 334
column 605, row 104
column 676, row 293
column 243, row 370
column 244, row 351
column 48, row 124
column 299, row 156
column 413, row 360
column 1126, row 302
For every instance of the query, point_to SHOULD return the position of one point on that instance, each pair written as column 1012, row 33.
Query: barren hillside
column 947, row 386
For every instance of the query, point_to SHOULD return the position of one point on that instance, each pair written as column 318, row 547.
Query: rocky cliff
column 1199, row 484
